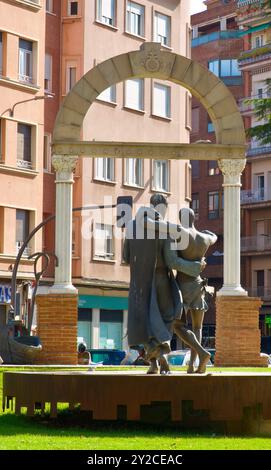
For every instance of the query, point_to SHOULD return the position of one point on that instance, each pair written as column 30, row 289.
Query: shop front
column 5, row 299
column 102, row 321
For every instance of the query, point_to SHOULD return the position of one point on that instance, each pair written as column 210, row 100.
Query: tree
column 262, row 110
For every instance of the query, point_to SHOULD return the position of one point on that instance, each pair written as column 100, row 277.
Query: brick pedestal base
column 57, row 328
column 238, row 339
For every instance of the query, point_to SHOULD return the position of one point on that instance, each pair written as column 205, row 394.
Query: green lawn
column 66, row 434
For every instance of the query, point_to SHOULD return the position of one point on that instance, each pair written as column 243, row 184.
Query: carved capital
column 232, row 170
column 64, row 163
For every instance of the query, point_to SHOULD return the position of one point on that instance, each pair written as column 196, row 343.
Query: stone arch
column 152, row 62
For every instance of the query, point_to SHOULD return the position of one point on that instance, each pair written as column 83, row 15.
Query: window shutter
column 161, row 104
column 108, row 8
column 100, row 168
column 134, row 94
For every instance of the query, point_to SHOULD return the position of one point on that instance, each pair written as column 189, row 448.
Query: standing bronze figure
column 193, row 288
column 155, row 300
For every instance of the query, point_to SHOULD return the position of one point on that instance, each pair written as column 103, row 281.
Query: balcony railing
column 27, row 251
column 247, row 105
column 257, row 243
column 257, row 54
column 252, row 196
column 26, row 79
column 215, row 36
column 245, row 3
column 263, row 292
column 256, row 149
column 24, row 164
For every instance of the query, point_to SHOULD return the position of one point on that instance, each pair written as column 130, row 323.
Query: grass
column 65, row 433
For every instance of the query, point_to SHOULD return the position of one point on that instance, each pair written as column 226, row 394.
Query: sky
column 196, row 6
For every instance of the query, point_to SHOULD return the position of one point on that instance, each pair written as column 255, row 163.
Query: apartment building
column 137, row 110
column 216, row 44
column 255, row 63
column 21, row 144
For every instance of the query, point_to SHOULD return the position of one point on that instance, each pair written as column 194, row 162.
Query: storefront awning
column 107, row 303
column 255, row 29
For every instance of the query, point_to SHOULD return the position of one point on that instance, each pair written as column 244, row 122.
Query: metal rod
column 29, row 238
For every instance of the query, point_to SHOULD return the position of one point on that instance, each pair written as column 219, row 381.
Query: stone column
column 232, row 170
column 64, row 166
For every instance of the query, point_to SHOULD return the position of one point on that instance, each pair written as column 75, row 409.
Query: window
column 22, row 229
column 214, row 67
column 160, row 175
column 260, row 282
column 106, row 12
column 213, row 168
column 224, row 68
column 71, row 78
column 188, row 180
column 195, row 120
column 134, row 94
column 24, row 137
column 1, row 140
column 259, row 41
column 48, row 73
column 195, row 165
column 134, row 171
column 213, row 205
column 260, row 93
column 210, row 127
column 47, row 153
column 85, row 325
column 135, row 17
column 104, row 169
column 1, row 53
column 195, row 204
column 25, row 61
column 188, row 110
column 260, row 186
column 229, row 68
column 72, row 8
column 161, row 100
column 111, row 332
column 162, row 29
column 108, row 95
column 104, row 245
column 49, row 6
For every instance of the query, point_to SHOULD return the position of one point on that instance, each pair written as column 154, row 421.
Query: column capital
column 64, row 163
column 232, row 170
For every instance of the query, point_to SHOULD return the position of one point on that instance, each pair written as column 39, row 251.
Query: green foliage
column 262, row 110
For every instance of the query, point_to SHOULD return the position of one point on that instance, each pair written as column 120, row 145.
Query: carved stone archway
column 151, row 61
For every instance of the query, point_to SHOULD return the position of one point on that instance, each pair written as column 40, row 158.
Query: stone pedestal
column 238, row 338
column 57, row 317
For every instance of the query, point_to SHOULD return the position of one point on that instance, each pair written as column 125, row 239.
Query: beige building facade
column 136, row 110
column 21, row 144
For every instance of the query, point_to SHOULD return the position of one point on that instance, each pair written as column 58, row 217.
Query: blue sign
column 5, row 294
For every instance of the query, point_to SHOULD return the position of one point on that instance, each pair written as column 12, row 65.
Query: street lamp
column 11, row 110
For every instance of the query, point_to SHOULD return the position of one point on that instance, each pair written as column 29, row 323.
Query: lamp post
column 36, row 98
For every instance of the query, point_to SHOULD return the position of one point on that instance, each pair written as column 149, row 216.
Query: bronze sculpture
column 155, row 301
column 193, row 288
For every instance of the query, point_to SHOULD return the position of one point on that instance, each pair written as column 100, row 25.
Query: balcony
column 263, row 292
column 215, row 36
column 27, row 251
column 249, row 10
column 24, row 164
column 255, row 149
column 259, row 243
column 254, row 56
column 252, row 196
